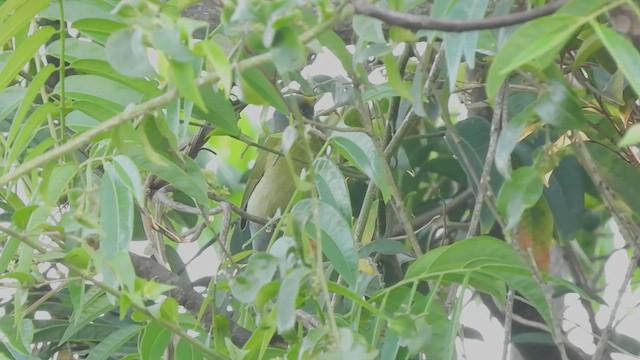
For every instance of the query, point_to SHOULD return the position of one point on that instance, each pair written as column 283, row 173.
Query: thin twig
column 498, row 113
column 628, row 228
column 421, row 22
column 508, row 317
column 606, row 332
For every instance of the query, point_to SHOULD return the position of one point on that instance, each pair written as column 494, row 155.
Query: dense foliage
column 464, row 145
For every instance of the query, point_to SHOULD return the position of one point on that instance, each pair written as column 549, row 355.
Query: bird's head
column 304, row 104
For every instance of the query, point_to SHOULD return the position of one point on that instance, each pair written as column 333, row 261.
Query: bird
column 271, row 184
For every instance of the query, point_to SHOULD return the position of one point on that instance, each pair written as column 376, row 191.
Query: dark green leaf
column 565, row 196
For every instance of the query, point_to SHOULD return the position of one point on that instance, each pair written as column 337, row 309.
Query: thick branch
column 186, row 296
column 421, row 22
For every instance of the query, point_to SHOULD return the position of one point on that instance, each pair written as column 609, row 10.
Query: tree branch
column 421, row 22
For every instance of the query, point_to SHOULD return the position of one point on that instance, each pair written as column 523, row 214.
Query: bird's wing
column 263, row 160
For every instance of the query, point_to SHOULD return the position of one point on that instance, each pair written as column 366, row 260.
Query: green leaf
column 127, row 54
column 509, row 138
column 623, row 52
column 88, row 114
column 519, row 193
column 75, row 10
column 129, row 175
column 23, row 53
column 154, row 341
column 631, row 136
column 218, row 58
column 287, row 296
column 94, row 304
column 455, row 44
column 335, row 44
column 98, row 30
column 368, row 29
column 338, row 243
column 17, row 339
column 359, row 149
column 75, row 50
column 384, row 247
column 183, row 77
column 535, row 232
column 167, row 39
column 220, row 112
column 255, row 88
column 20, row 17
column 110, row 345
column 288, row 52
column 186, row 351
column 146, row 147
column 332, row 186
column 102, row 68
column 27, row 102
column 558, row 106
column 28, row 131
column 492, row 265
column 537, row 41
column 259, row 272
column 56, row 183
column 116, row 215
column 99, row 91
column 21, row 216
column 393, row 75
column 565, row 196
column 10, row 99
